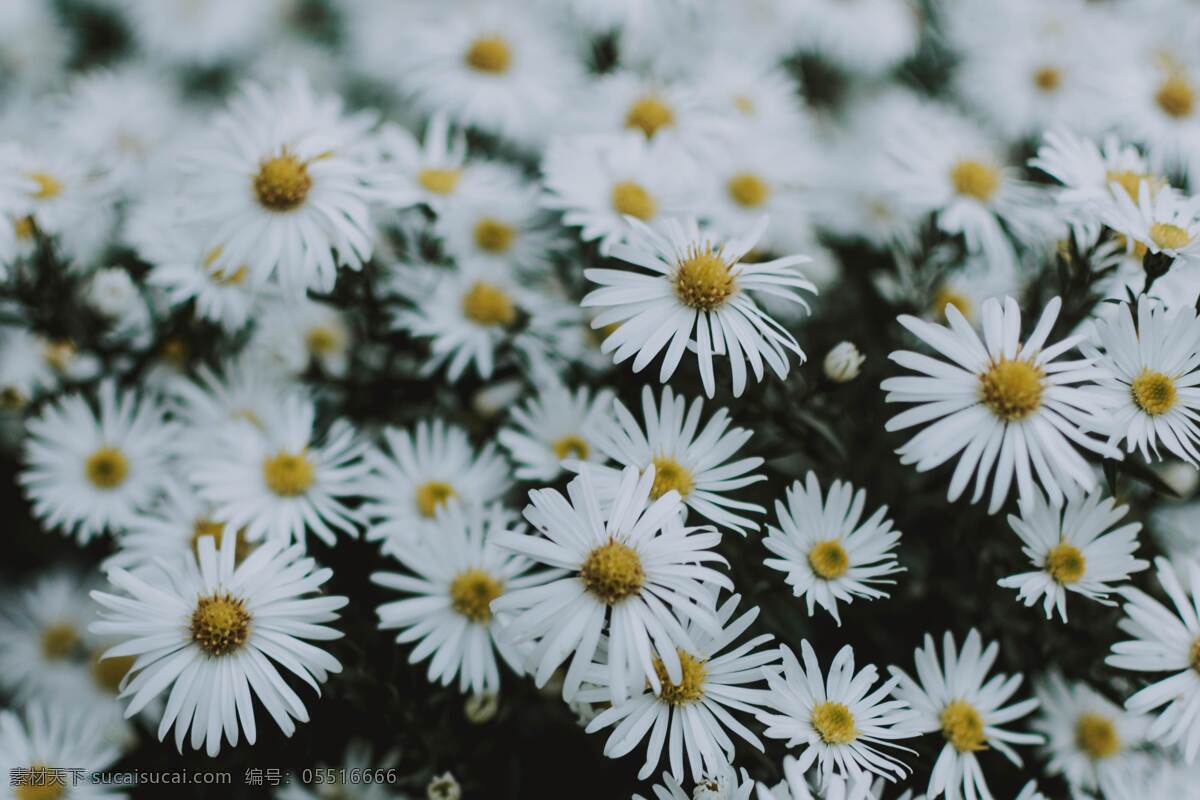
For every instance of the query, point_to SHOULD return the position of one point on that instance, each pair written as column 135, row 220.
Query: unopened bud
column 843, row 362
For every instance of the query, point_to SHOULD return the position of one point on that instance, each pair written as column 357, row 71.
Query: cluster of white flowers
column 246, row 316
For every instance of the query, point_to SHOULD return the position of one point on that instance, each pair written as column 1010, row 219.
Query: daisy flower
column 955, row 698
column 433, row 170
column 500, row 230
column 701, row 296
column 556, row 426
column 998, row 402
column 839, row 720
column 282, row 479
column 1089, row 739
column 51, row 750
column 687, row 459
column 292, row 336
column 456, row 573
column 693, row 713
column 1165, row 222
column 1165, row 641
column 210, row 630
column 284, row 186
column 201, row 33
column 88, row 469
column 32, row 366
column 868, row 37
column 1160, row 96
column 827, row 550
column 795, row 786
column 724, row 783
column 632, row 569
column 1151, row 375
column 43, row 628
column 418, row 471
column 237, row 390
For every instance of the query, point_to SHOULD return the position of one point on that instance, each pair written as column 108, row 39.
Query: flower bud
column 843, row 362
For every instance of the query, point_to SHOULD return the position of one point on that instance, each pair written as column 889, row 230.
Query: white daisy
column 282, row 479
column 1152, row 376
column 840, row 720
column 417, row 471
column 724, row 783
column 1088, row 737
column 827, row 550
column 1074, row 548
column 52, row 750
column 1165, row 641
column 499, row 230
column 955, row 698
column 201, row 32
column 795, row 786
column 87, row 470
column 557, row 425
column 210, row 631
column 1164, row 222
column 457, row 573
column 293, row 336
column 690, row 715
column 236, row 391
column 432, row 171
column 701, row 296
column 32, row 365
column 687, row 459
column 999, row 402
column 1160, row 98
column 870, row 36
column 633, row 570
column 43, row 628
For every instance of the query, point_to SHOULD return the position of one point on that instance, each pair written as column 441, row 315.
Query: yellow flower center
column 487, row 304
column 1047, row 79
column 703, row 280
column 323, row 340
column 670, row 474
column 631, row 199
column 106, row 468
column 472, row 592
column 107, row 673
column 691, row 685
column 282, row 182
column 1176, row 97
column 59, row 354
column 49, row 186
column 747, row 189
column 1096, row 735
column 494, row 236
column 59, row 640
column 975, row 179
column 439, row 181
column 834, row 722
column 571, row 446
column 1012, row 389
column 432, row 495
column 1154, row 392
column 1194, row 655
column 963, row 727
column 220, row 276
column 42, row 783
column 220, row 624
column 743, row 103
column 489, row 54
column 288, row 474
column 648, row 114
column 1168, row 236
column 612, row 571
column 23, row 227
column 12, row 398
column 1131, row 181
column 945, row 296
column 829, row 559
column 1065, row 563
column 207, row 527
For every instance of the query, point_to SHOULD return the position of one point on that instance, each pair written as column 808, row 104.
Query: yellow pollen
column 571, row 446
column 106, row 468
column 829, row 559
column 439, row 181
column 612, row 571
column 472, row 592
column 59, row 353
column 1169, row 237
column 631, row 199
column 691, row 685
column 1194, row 655
column 49, row 186
column 235, row 278
column 1176, row 97
column 945, row 296
column 975, row 179
column 220, row 624
column 1131, row 181
column 207, row 527
column 963, row 727
column 494, row 236
column 1065, row 563
column 702, row 280
column 59, row 640
column 288, row 474
column 12, row 398
column 175, row 352
column 323, row 340
column 1153, row 392
column 649, row 114
column 1096, row 735
column 748, row 190
column 487, row 304
column 282, row 182
column 743, row 103
column 107, row 673
column 1012, row 389
column 834, row 722
column 43, row 783
column 23, row 227
column 670, row 474
column 489, row 54
column 433, row 495
column 1048, row 79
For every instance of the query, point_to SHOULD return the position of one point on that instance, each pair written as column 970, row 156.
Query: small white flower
column 723, row 783
column 43, row 635
column 555, row 426
column 843, row 362
column 1165, row 222
column 52, row 743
